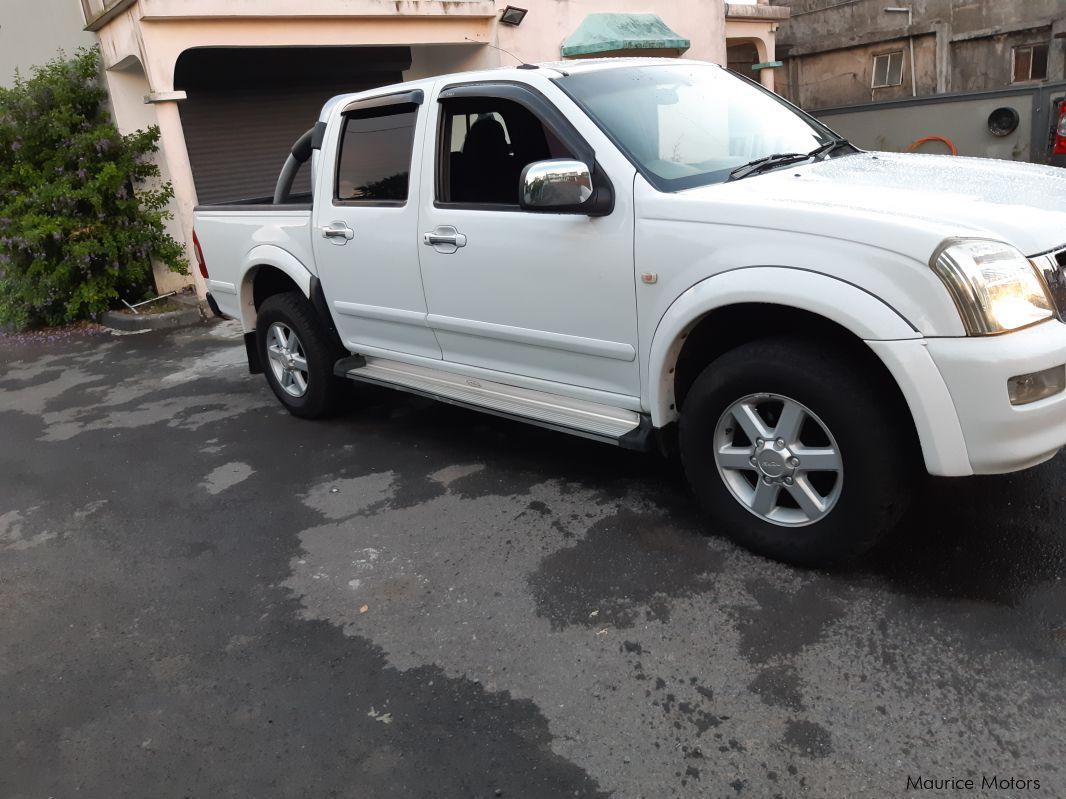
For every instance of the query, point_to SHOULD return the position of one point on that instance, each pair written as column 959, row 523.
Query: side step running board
column 625, row 428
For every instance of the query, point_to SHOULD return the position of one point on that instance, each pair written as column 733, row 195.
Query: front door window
column 487, row 142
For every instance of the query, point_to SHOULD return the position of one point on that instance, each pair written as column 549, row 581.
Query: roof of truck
column 582, row 65
column 560, row 68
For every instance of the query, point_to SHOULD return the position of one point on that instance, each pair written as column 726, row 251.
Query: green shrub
column 74, row 238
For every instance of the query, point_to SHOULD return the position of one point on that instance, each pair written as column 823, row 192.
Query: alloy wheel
column 288, row 361
column 778, row 459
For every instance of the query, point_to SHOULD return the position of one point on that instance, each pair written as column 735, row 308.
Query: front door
column 364, row 229
column 537, row 295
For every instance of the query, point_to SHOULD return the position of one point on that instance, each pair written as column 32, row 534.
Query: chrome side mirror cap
column 555, row 183
column 561, row 186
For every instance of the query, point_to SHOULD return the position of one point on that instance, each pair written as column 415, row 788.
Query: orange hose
column 916, row 144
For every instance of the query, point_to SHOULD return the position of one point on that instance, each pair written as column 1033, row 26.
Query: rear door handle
column 444, row 238
column 338, row 233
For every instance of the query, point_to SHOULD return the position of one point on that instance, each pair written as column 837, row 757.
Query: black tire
column 324, row 393
column 870, row 434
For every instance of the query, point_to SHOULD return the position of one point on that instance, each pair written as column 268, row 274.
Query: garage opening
column 741, row 57
column 246, row 107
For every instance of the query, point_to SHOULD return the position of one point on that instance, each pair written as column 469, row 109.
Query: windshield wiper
column 767, row 162
column 822, row 152
column 819, row 153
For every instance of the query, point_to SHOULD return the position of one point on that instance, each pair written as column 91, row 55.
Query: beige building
column 232, row 83
column 751, row 38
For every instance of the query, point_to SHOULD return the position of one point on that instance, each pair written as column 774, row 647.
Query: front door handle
column 338, row 233
column 445, row 239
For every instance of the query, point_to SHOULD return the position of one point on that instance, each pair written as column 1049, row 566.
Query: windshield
column 686, row 125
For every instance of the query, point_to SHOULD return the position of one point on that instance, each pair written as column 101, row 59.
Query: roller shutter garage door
column 246, row 107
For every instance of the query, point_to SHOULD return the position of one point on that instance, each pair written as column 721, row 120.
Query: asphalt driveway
column 201, row 596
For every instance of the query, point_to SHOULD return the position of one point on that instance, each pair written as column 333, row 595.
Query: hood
column 1021, row 204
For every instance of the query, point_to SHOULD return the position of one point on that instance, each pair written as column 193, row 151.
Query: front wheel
column 298, row 356
column 794, row 452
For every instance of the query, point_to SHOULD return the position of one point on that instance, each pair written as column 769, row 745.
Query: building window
column 888, row 69
column 375, row 155
column 1029, row 62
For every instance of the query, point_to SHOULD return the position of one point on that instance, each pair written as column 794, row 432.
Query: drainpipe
column 914, row 75
column 910, row 40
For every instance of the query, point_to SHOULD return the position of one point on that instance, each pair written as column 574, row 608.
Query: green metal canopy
column 606, row 33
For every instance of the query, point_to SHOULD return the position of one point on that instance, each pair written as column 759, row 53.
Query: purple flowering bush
column 82, row 211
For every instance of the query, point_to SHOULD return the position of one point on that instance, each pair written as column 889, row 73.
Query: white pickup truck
column 649, row 252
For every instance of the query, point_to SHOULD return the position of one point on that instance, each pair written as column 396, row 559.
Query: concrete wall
column 896, row 126
column 971, row 44
column 32, row 32
column 820, row 24
column 986, row 62
column 843, row 77
column 441, row 59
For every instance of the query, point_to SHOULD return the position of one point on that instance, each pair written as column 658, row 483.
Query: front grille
column 1053, row 265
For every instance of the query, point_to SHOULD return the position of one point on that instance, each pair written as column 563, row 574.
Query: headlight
column 995, row 287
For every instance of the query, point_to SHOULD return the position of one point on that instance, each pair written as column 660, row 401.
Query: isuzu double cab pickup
column 651, row 251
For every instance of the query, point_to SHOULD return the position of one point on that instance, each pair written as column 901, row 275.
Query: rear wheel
column 794, row 452
column 298, row 353
column 288, row 361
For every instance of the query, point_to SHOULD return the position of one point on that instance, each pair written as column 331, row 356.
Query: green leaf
column 79, row 226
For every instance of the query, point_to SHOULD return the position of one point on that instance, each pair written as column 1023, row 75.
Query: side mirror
column 563, row 186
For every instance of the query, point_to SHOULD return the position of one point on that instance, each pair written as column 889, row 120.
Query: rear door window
column 374, row 165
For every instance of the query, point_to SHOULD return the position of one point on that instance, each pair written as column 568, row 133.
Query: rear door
column 365, row 226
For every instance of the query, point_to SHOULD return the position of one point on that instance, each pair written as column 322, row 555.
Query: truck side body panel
column 237, row 242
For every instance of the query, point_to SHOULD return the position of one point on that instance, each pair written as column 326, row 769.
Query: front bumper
column 1001, row 437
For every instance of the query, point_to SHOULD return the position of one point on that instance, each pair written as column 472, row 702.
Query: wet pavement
column 202, row 596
